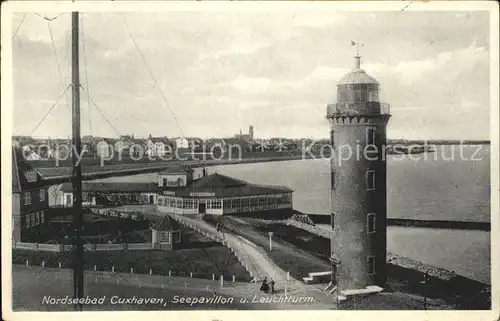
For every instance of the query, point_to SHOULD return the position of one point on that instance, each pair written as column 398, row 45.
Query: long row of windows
column 28, row 200
column 176, row 202
column 358, row 95
column 269, row 200
column 173, row 183
column 34, row 219
column 217, row 203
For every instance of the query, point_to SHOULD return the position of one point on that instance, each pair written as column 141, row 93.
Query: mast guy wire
column 50, row 109
column 100, row 111
column 57, row 63
column 19, row 26
column 154, row 79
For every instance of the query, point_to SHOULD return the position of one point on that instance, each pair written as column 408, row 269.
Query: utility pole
column 76, row 178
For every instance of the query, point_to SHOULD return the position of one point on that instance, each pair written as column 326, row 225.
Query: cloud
column 250, row 84
column 221, row 72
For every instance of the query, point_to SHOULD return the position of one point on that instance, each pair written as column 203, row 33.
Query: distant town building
column 158, row 146
column 103, row 149
column 181, row 143
column 246, row 137
column 121, row 145
column 31, row 155
column 88, row 143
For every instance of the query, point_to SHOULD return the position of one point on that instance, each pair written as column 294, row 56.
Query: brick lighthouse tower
column 358, row 124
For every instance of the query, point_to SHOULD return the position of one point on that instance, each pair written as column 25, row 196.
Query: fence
column 128, row 275
column 38, row 247
column 137, row 214
column 88, row 247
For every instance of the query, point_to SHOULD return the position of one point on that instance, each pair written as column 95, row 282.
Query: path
column 258, row 263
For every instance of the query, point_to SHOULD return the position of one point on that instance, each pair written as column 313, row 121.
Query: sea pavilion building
column 188, row 191
column 180, row 191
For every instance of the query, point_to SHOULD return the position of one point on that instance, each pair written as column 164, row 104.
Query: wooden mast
column 77, row 170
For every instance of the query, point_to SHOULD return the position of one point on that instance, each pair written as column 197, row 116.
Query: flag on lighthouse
column 353, row 43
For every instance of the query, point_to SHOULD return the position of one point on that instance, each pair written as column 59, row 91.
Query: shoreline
column 418, row 223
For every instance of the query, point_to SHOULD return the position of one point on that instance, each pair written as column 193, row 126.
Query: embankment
column 405, row 275
column 406, row 222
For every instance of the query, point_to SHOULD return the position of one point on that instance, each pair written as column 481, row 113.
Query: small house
column 165, row 233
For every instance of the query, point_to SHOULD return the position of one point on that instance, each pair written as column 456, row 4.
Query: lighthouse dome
column 357, row 76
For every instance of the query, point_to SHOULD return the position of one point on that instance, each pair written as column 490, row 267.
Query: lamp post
column 424, row 282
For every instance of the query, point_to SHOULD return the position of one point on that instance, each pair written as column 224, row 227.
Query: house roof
column 357, row 76
column 16, row 184
column 164, row 140
column 166, row 224
column 217, row 181
column 19, row 169
column 224, row 186
column 114, row 187
column 173, row 170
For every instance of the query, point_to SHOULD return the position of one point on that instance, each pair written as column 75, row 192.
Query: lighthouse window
column 370, row 180
column 373, row 96
column 359, row 95
column 370, row 223
column 371, row 265
column 333, row 180
column 332, row 220
column 332, row 139
column 342, row 96
column 370, row 136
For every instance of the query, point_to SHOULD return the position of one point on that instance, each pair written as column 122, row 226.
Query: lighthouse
column 358, row 124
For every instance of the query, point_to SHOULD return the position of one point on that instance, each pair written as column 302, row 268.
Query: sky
column 277, row 71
